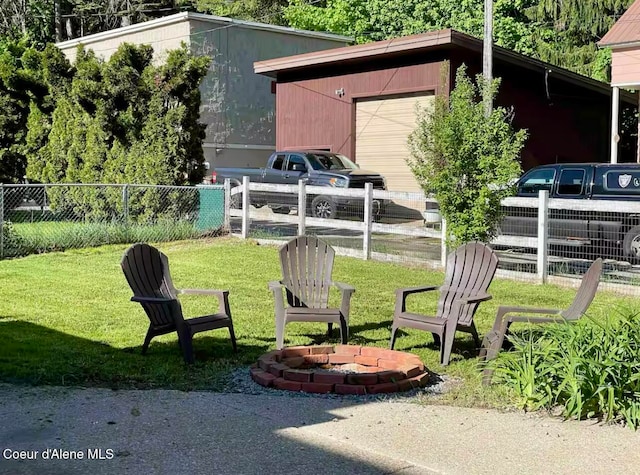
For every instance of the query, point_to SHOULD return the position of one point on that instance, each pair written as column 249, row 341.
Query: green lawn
column 24, row 238
column 66, row 318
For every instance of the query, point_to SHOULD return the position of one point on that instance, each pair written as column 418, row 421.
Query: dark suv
column 610, row 230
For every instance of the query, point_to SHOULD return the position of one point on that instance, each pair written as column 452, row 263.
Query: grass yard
column 66, row 318
column 26, row 238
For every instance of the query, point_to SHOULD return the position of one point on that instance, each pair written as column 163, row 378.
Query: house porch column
column 638, row 153
column 615, row 113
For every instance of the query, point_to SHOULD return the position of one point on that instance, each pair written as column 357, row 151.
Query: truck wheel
column 631, row 243
column 323, row 207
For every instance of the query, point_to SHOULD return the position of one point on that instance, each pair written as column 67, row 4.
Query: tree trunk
column 69, row 27
column 57, row 20
column 126, row 19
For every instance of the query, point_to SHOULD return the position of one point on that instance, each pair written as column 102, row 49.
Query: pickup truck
column 606, row 232
column 316, row 168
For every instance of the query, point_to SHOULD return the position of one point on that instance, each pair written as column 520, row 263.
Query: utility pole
column 487, row 56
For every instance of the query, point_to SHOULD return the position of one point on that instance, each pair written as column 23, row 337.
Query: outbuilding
column 237, row 105
column 361, row 101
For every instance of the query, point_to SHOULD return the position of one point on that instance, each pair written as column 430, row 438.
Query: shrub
column 12, row 242
column 20, row 84
column 468, row 160
column 591, row 368
column 124, row 120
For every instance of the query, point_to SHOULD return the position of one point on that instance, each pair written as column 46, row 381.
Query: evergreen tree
column 120, row 121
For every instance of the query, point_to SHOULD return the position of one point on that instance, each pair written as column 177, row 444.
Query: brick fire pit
column 341, row 369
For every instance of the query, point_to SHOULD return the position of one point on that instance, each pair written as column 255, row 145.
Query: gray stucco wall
column 237, row 104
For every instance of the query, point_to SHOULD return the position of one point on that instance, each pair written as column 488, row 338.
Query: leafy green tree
column 371, row 20
column 265, row 11
column 27, row 19
column 562, row 32
column 573, row 29
column 468, row 160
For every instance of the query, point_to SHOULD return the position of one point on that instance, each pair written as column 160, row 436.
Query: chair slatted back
column 470, row 270
column 307, row 265
column 586, row 292
column 147, row 272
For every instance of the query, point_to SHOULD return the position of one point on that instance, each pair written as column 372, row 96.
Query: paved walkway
column 209, row 433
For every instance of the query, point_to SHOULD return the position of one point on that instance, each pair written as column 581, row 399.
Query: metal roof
column 626, row 31
column 186, row 16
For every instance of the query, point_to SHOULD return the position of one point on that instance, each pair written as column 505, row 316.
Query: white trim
column 187, row 16
column 614, row 46
column 264, row 26
column 615, row 112
column 635, row 85
column 238, row 146
column 125, row 30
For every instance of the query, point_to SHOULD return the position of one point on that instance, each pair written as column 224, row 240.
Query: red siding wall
column 566, row 122
column 310, row 114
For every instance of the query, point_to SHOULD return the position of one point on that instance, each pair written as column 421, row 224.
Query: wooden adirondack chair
column 494, row 340
column 147, row 271
column 470, row 270
column 307, row 264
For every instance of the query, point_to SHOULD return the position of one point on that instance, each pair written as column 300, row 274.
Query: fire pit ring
column 340, row 369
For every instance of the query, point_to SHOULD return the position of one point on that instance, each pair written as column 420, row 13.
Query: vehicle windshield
column 330, row 161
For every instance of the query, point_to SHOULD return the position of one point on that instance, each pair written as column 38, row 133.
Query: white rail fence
column 535, row 239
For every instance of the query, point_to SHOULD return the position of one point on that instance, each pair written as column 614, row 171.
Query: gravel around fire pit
column 239, row 381
column 339, row 371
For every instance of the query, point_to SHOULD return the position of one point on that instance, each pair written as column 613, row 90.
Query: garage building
column 361, row 101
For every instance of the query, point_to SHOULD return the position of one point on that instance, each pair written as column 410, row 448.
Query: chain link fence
column 53, row 217
column 403, row 227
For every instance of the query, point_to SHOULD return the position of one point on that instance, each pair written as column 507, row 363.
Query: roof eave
column 125, row 30
column 619, row 45
column 187, row 16
column 268, row 27
column 273, row 67
column 527, row 62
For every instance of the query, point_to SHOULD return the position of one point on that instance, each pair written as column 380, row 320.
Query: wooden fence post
column 125, row 204
column 245, row 207
column 368, row 219
column 543, row 235
column 302, row 207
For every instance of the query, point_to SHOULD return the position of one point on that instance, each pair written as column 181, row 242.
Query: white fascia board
column 186, row 16
column 238, row 146
column 267, row 27
column 125, row 30
column 627, row 85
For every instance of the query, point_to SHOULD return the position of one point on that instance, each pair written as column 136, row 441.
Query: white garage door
column 382, row 129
